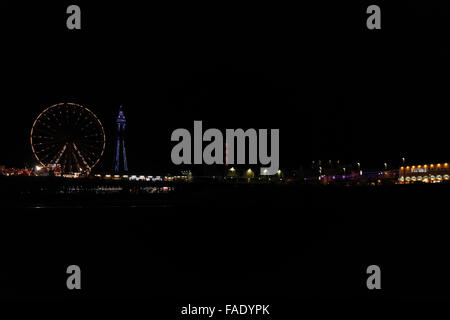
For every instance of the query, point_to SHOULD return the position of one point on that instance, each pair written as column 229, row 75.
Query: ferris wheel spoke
column 91, row 155
column 69, row 117
column 86, row 158
column 92, row 135
column 91, row 145
column 46, row 130
column 88, row 124
column 45, row 156
column 46, row 127
column 83, row 118
column 82, row 147
column 59, row 154
column 89, row 135
column 54, row 145
column 40, row 143
column 69, row 135
column 44, row 153
column 75, row 123
column 38, row 138
column 44, row 133
column 59, row 116
column 50, row 118
column 56, row 118
column 80, row 155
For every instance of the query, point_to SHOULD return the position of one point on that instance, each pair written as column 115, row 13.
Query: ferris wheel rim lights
column 93, row 118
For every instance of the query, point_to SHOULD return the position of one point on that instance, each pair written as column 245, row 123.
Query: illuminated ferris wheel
column 68, row 135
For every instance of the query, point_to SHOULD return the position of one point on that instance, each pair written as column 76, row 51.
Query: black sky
column 335, row 89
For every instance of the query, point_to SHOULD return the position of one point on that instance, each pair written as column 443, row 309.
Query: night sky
column 335, row 89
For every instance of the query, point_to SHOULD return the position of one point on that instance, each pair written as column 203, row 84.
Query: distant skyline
column 335, row 90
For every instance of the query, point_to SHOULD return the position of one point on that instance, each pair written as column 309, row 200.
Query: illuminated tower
column 120, row 144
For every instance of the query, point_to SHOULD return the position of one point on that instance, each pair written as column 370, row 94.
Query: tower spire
column 120, row 143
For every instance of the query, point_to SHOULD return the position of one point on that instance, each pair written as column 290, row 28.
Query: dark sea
column 281, row 246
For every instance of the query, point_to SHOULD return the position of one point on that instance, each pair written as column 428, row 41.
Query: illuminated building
column 426, row 173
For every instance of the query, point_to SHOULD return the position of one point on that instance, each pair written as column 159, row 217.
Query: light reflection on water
column 101, row 206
